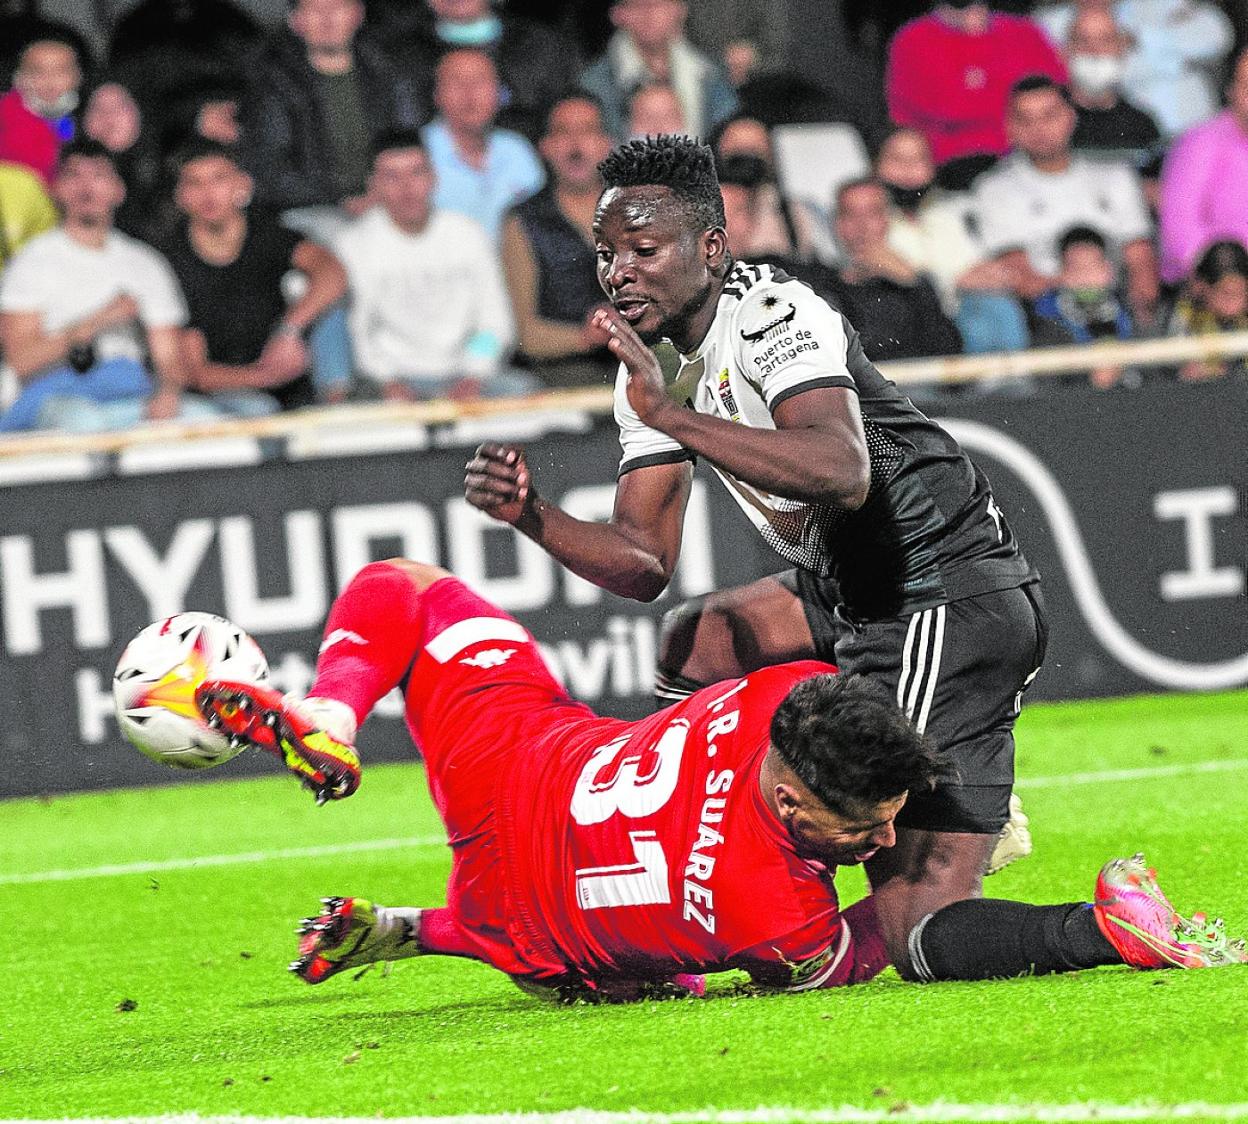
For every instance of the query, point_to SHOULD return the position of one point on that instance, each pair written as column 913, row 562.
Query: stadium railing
column 953, row 370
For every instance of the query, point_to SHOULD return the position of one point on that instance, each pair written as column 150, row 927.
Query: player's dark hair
column 850, row 745
column 1033, row 82
column 391, row 140
column 684, row 166
column 88, row 149
column 1082, row 236
column 200, row 148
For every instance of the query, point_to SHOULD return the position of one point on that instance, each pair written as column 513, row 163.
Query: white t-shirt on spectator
column 1021, row 208
column 417, row 300
column 66, row 281
column 936, row 242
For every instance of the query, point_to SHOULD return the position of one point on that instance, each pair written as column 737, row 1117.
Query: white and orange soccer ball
column 154, row 686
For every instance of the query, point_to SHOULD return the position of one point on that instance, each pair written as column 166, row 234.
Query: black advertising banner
column 1131, row 504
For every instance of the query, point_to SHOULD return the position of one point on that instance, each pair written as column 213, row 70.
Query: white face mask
column 1096, row 74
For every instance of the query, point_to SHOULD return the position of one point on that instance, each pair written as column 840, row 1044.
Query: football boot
column 353, row 933
column 1139, row 921
column 1014, row 842
column 313, row 737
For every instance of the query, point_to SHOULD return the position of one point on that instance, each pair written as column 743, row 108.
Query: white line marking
column 1113, row 776
column 936, row 1112
column 1108, row 776
column 322, row 851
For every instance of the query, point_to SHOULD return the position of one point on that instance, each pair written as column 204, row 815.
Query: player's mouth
column 863, row 856
column 631, row 308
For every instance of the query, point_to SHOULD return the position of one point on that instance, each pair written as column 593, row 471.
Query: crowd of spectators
column 205, row 215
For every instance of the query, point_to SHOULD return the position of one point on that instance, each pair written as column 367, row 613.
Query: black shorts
column 958, row 670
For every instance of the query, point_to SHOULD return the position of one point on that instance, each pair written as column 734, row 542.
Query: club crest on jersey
column 724, row 389
column 488, row 658
column 774, row 326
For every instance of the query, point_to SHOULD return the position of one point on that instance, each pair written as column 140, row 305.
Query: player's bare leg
column 1130, row 922
column 728, row 633
column 923, row 872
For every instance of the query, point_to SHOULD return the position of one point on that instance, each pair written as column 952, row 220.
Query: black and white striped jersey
column 929, row 532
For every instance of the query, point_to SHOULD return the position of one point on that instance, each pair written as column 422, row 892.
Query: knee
column 930, row 871
column 676, row 632
column 420, row 574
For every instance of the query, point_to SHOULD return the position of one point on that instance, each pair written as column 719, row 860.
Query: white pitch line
column 937, row 1113
column 324, row 850
column 1110, row 776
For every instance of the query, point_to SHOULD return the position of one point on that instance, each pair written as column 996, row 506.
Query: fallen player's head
column 659, row 233
column 847, row 758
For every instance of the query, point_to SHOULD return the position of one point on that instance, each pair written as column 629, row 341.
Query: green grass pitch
column 161, row 989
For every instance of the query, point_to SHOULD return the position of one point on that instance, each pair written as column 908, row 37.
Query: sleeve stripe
column 821, row 978
column 668, row 456
column 814, row 384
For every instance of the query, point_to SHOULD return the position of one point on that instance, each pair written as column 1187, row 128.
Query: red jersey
column 646, row 848
column 601, row 849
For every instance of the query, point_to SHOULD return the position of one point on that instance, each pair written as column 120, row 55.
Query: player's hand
column 647, row 392
column 497, row 481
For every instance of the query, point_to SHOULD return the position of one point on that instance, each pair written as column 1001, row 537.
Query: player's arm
column 632, row 555
column 817, row 452
column 830, row 950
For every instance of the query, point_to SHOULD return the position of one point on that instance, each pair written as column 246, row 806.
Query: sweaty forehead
column 626, row 209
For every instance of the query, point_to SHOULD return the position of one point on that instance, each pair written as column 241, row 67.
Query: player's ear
column 788, row 800
column 715, row 249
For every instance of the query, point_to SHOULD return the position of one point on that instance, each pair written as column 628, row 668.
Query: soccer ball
column 154, row 686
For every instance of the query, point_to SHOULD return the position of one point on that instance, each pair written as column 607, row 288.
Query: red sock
column 441, row 935
column 374, row 632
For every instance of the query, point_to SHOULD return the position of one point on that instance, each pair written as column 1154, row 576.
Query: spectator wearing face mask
column 1176, row 50
column 1096, row 53
column 36, row 116
column 780, row 225
column 535, row 61
column 1085, row 304
column 928, row 228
